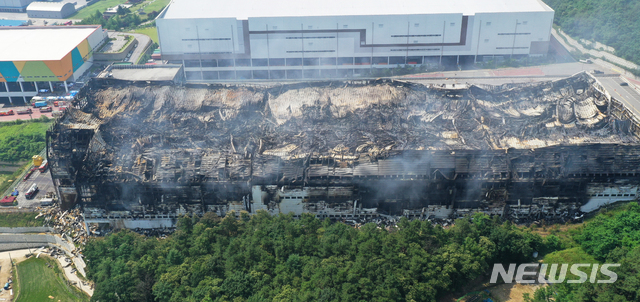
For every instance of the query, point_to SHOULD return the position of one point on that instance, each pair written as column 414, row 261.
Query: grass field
column 20, row 220
column 156, row 5
column 149, row 31
column 101, row 6
column 37, row 282
column 90, row 10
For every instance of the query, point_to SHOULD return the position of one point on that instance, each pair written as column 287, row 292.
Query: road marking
column 616, row 70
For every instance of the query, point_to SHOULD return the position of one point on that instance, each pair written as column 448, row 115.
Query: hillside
column 612, row 22
column 278, row 258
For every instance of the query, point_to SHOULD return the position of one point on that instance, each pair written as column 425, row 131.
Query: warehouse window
column 524, row 22
column 452, row 24
column 380, row 25
column 275, row 27
column 345, row 26
column 416, row 25
column 488, row 23
column 486, row 40
column 310, row 27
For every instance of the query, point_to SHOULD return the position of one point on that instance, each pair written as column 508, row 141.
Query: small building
column 50, row 10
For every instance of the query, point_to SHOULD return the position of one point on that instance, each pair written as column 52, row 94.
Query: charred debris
column 142, row 154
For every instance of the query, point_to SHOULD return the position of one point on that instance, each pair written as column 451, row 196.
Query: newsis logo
column 525, row 272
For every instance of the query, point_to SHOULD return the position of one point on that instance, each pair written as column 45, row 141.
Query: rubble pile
column 66, row 223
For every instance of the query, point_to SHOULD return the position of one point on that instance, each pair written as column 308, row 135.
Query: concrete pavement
column 625, row 94
column 143, row 42
column 596, row 53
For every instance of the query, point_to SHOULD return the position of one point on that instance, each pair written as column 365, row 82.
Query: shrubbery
column 278, row 258
column 20, row 140
column 615, row 23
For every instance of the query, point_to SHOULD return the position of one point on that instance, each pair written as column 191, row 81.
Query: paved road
column 45, row 184
column 593, row 52
column 143, row 42
column 502, row 75
column 36, row 114
column 626, row 94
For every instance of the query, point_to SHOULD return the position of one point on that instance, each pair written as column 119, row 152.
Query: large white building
column 257, row 39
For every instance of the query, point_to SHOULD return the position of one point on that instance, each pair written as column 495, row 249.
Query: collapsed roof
column 165, row 137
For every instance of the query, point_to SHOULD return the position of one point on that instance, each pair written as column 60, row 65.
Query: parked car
column 6, row 112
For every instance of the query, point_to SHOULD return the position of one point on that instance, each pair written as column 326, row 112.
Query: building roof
column 244, row 9
column 48, row 6
column 12, row 22
column 41, row 43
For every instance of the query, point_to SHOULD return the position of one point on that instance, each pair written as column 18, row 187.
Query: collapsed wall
column 340, row 149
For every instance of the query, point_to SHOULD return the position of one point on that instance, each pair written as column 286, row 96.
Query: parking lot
column 45, row 184
column 34, row 115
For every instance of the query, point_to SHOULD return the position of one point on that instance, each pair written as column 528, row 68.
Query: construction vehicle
column 46, row 109
column 37, row 160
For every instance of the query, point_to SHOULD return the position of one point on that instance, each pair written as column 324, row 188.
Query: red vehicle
column 24, row 111
column 33, row 190
column 46, row 109
column 44, row 166
column 7, row 201
column 5, row 113
column 58, row 103
column 26, row 176
column 63, row 108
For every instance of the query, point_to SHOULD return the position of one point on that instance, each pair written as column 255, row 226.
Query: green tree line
column 612, row 22
column 123, row 19
column 279, row 258
column 609, row 238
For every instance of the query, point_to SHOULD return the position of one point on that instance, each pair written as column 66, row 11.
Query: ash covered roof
column 350, row 119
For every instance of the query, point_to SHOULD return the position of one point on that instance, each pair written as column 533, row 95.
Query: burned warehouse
column 358, row 149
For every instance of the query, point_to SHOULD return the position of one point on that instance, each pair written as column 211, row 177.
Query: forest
column 611, row 237
column 279, row 258
column 615, row 23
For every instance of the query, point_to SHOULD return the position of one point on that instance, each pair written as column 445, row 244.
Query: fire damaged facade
column 144, row 154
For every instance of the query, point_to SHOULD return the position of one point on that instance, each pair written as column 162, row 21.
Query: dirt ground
column 513, row 292
column 5, row 268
